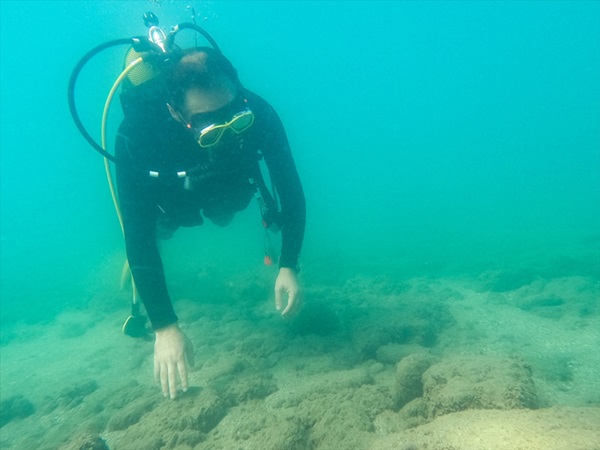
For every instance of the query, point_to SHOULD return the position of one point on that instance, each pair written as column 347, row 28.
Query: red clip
column 268, row 260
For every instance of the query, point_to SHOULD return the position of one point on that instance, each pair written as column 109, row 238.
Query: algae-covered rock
column 369, row 337
column 409, row 372
column 71, row 396
column 236, row 390
column 254, row 426
column 170, row 424
column 15, row 407
column 414, row 413
column 86, row 442
column 131, row 414
column 541, row 429
column 209, row 412
column 478, row 382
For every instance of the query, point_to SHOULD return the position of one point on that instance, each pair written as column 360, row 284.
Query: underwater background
column 450, row 156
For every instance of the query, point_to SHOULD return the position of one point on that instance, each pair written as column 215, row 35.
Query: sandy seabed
column 504, row 360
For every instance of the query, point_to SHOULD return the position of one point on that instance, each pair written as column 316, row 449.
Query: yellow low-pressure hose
column 111, row 94
column 109, row 178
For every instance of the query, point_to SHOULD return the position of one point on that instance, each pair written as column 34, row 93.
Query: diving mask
column 212, row 134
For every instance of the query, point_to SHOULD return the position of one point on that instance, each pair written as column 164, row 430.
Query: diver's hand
column 171, row 350
column 287, row 285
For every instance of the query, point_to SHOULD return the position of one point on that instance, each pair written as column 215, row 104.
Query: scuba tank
column 146, row 59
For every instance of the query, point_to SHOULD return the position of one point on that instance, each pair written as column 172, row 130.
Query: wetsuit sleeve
column 139, row 209
column 284, row 174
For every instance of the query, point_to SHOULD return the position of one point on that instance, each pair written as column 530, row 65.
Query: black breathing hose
column 71, row 92
column 139, row 44
column 202, row 31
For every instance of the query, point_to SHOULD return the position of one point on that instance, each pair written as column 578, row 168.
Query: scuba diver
column 189, row 149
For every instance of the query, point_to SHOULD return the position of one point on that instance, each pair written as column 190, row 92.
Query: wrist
column 169, row 329
column 288, row 270
column 291, row 268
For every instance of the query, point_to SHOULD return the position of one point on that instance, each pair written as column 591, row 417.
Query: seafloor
column 501, row 359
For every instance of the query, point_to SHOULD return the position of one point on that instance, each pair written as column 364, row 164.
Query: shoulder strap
column 267, row 200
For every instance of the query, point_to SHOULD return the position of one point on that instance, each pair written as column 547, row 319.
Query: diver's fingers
column 156, row 371
column 291, row 304
column 183, row 375
column 278, row 299
column 172, row 380
column 164, row 379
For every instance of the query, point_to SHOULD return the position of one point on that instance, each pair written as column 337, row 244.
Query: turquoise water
column 440, row 140
column 428, row 129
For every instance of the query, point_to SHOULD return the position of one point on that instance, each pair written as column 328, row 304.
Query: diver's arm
column 138, row 206
column 282, row 169
column 138, row 210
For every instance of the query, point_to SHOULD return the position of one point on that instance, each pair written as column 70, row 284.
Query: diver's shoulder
column 256, row 102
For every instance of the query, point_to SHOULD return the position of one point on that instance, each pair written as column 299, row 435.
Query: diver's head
column 201, row 81
column 206, row 97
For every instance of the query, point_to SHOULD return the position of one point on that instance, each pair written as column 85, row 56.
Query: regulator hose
column 71, row 91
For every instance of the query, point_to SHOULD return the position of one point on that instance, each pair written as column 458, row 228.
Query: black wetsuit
column 151, row 149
